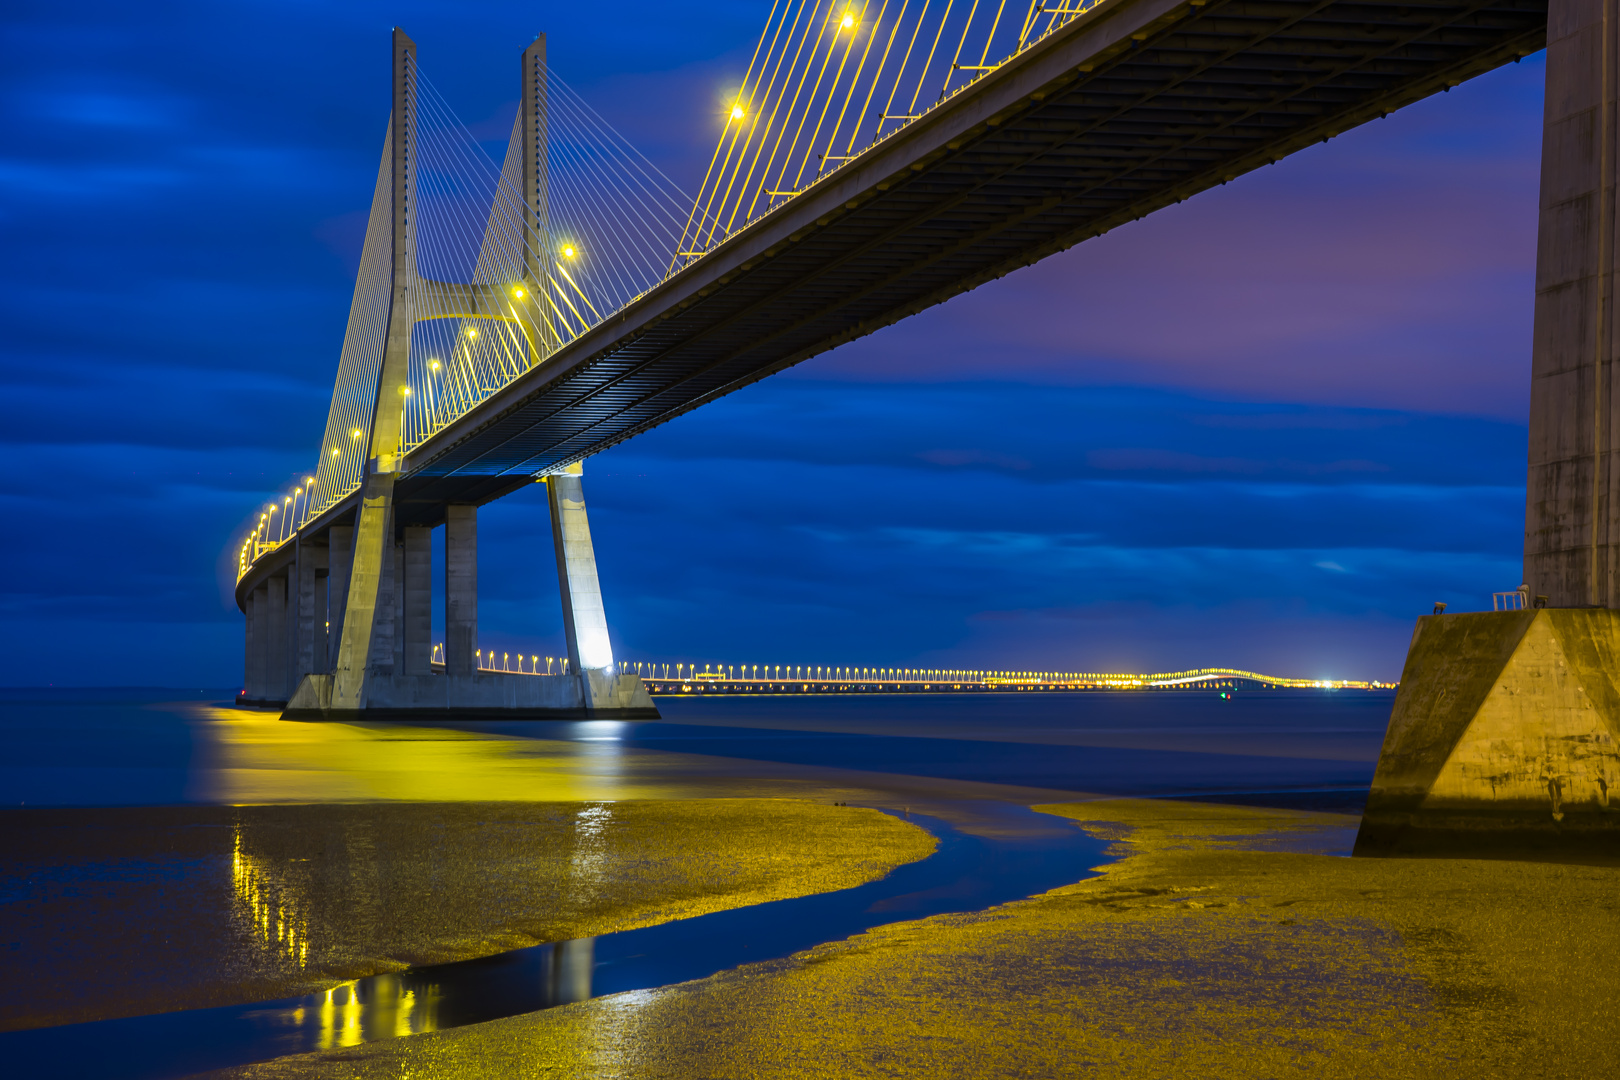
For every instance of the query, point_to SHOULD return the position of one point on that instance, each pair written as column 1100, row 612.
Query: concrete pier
column 417, row 624
column 1503, row 739
column 340, row 553
column 275, row 626
column 590, row 651
column 460, row 589
column 1503, row 734
column 1572, row 515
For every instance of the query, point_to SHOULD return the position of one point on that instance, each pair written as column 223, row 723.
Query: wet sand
column 1220, row 944
column 149, row 909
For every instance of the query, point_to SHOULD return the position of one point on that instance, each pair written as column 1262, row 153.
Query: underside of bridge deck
column 1132, row 107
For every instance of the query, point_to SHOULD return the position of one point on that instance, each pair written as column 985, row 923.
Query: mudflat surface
column 1220, row 944
column 140, row 910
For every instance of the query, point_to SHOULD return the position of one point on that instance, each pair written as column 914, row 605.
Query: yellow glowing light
column 569, row 251
column 472, row 332
column 334, row 451
column 355, row 434
column 434, row 366
column 407, row 391
column 518, row 293
column 736, row 112
column 849, row 21
column 309, row 479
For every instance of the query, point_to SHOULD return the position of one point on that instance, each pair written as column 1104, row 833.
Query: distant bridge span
column 1130, row 107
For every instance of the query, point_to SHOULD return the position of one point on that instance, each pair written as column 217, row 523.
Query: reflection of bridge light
column 267, row 899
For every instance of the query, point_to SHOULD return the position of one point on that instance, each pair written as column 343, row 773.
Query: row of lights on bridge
column 260, row 535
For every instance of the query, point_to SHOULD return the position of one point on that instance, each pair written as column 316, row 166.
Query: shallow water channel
column 968, row 872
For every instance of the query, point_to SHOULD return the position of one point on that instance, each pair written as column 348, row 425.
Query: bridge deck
column 1131, row 107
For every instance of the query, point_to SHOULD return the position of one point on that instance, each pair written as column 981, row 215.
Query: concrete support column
column 584, row 620
column 303, row 609
column 276, row 666
column 418, row 600
column 371, row 579
column 1572, row 518
column 259, row 671
column 320, row 647
column 460, row 589
column 385, row 642
column 340, row 556
column 249, row 679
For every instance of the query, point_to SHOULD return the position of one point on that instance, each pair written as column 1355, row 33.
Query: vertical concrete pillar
column 1572, row 515
column 399, row 607
column 260, row 669
column 249, row 685
column 303, row 608
column 275, row 681
column 584, row 620
column 319, row 648
column 369, row 603
column 385, row 639
column 340, row 556
column 418, row 600
column 460, row 589
column 366, row 646
column 533, row 113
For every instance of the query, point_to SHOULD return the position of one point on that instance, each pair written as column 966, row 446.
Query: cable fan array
column 494, row 298
column 496, row 289
column 830, row 78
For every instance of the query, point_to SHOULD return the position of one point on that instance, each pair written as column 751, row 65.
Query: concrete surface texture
column 1505, row 725
column 1572, row 531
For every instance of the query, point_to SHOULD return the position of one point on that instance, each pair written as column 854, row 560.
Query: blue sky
column 1265, row 428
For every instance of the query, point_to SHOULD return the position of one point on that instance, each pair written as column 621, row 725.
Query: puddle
column 967, row 873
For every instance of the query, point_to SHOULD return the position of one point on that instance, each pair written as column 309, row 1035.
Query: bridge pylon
column 345, row 629
column 1504, row 732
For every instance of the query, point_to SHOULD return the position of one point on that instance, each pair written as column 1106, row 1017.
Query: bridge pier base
column 399, row 678
column 1502, row 739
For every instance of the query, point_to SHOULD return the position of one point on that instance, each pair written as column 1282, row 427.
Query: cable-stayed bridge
column 512, row 318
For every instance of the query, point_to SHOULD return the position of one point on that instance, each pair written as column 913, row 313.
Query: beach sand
column 1218, row 945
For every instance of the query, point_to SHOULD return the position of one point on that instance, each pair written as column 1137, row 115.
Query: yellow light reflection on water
column 251, row 758
column 271, row 905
